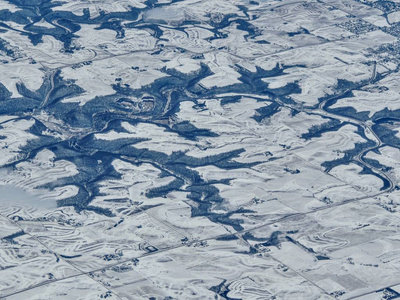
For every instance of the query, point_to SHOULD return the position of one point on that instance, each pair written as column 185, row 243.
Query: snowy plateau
column 199, row 149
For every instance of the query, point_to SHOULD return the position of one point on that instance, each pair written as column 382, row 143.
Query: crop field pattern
column 199, row 149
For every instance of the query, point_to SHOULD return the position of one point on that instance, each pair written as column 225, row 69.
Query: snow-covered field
column 194, row 149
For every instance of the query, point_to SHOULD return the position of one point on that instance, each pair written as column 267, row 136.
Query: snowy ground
column 199, row 149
